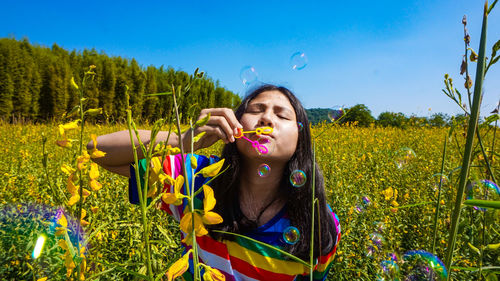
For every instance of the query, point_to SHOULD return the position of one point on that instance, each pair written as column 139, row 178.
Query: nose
column 266, row 120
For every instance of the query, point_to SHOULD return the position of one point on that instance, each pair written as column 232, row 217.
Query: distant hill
column 316, row 115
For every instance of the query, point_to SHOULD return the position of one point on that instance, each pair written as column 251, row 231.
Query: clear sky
column 388, row 55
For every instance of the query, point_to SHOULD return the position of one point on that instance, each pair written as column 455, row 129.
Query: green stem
column 436, row 216
column 313, row 197
column 469, row 143
column 142, row 201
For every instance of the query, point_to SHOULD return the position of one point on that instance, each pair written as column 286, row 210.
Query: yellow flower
column 176, row 197
column 213, row 274
column 179, row 267
column 60, row 230
column 95, row 185
column 212, row 170
column 71, row 187
column 42, row 279
column 73, row 199
column 69, row 126
column 82, row 221
column 95, row 152
column 64, row 143
column 186, row 224
column 82, row 161
column 68, row 170
column 94, row 209
column 208, row 204
column 94, row 171
column 388, row 193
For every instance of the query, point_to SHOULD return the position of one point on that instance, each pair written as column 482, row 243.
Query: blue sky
column 388, row 55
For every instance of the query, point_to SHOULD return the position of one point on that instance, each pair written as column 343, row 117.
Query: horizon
column 389, row 57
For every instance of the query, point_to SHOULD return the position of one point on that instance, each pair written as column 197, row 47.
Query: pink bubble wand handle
column 255, row 144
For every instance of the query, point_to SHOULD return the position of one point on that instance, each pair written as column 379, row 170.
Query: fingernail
column 235, row 131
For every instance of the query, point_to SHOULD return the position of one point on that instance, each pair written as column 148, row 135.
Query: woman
column 260, row 207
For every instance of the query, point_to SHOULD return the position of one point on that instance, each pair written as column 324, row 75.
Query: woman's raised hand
column 221, row 125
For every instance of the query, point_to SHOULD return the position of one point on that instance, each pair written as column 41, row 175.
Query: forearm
column 118, row 147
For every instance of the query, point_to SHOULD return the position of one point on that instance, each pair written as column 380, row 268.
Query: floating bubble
column 298, row 60
column 263, row 170
column 38, row 246
column 291, row 235
column 300, row 126
column 404, row 156
column 298, row 178
column 365, row 203
column 379, row 226
column 248, row 75
column 483, row 190
column 336, row 112
column 422, row 265
column 389, row 270
column 436, row 179
column 377, row 239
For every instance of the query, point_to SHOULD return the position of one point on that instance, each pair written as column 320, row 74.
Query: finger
column 215, row 130
column 221, row 122
column 228, row 114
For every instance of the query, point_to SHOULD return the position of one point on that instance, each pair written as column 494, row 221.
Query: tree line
column 35, row 85
column 363, row 117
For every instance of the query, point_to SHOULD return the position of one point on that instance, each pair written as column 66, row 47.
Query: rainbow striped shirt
column 240, row 259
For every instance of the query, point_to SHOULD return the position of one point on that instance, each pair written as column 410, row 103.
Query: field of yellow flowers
column 367, row 187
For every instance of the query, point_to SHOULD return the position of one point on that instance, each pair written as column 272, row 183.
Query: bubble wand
column 255, row 144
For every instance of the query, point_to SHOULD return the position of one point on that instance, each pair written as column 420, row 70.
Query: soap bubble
column 389, row 270
column 336, row 112
column 422, row 265
column 379, row 226
column 483, row 190
column 436, row 178
column 291, row 235
column 298, row 60
column 404, row 156
column 300, row 126
column 263, row 170
column 377, row 239
column 298, row 178
column 248, row 75
column 365, row 203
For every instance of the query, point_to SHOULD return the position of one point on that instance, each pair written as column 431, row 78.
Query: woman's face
column 270, row 109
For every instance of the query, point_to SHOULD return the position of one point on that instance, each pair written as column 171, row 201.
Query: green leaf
column 93, row 112
column 492, row 118
column 490, row 276
column 493, row 246
column 495, row 48
column 203, row 121
column 474, row 249
column 483, row 203
column 159, row 94
column 198, row 137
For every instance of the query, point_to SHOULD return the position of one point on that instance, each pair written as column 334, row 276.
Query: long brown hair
column 298, row 200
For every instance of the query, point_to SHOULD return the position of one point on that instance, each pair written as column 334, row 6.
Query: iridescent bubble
column 291, row 235
column 336, row 112
column 389, row 270
column 298, row 178
column 404, row 156
column 300, row 126
column 436, row 179
column 263, row 170
column 483, row 190
column 298, row 61
column 379, row 226
column 422, row 265
column 248, row 75
column 38, row 246
column 364, row 204
column 377, row 239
